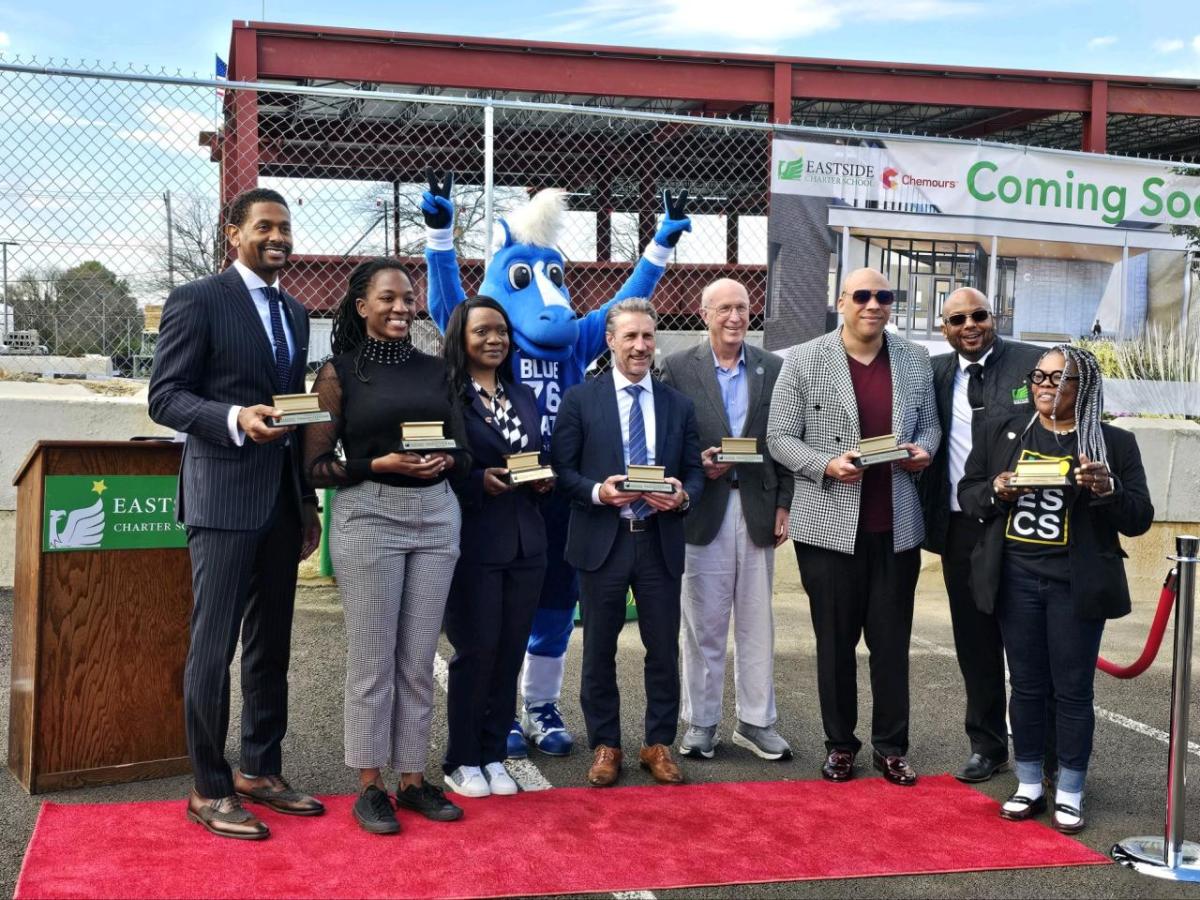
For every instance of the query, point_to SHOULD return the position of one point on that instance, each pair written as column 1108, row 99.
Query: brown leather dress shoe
column 273, row 791
column 226, row 817
column 606, row 766
column 657, row 759
column 896, row 769
column 839, row 765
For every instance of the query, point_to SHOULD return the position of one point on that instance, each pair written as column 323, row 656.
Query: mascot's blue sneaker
column 544, row 726
column 516, row 742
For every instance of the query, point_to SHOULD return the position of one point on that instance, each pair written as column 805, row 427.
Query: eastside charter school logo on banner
column 110, row 512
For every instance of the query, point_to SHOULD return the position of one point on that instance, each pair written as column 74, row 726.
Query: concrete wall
column 33, row 411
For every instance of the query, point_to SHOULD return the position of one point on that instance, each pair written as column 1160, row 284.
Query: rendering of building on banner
column 1056, row 251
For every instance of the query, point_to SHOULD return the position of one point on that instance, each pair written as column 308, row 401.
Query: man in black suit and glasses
column 983, row 377
column 226, row 344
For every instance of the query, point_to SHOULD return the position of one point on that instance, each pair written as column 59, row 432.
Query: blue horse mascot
column 554, row 347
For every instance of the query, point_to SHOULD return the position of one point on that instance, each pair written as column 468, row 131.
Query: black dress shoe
column 895, row 769
column 980, row 768
column 1029, row 808
column 1067, row 819
column 839, row 765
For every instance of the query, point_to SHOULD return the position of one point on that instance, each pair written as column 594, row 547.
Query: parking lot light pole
column 4, row 245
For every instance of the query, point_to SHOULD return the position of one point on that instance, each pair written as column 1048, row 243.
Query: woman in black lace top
column 394, row 533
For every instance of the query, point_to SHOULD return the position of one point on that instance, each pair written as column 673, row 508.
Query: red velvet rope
column 1162, row 615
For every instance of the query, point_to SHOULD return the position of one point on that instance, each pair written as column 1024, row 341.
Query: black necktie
column 975, row 386
column 283, row 360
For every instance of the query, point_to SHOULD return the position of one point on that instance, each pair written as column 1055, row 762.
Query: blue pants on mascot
column 553, row 348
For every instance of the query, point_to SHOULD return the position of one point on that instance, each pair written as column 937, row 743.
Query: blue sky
column 1067, row 35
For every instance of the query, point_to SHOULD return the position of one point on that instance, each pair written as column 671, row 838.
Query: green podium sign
column 110, row 512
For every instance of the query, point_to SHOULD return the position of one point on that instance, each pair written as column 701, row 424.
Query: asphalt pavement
column 1125, row 793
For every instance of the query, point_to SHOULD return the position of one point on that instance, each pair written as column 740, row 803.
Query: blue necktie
column 283, row 360
column 638, row 455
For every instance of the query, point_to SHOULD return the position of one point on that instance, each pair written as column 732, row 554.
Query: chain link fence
column 112, row 184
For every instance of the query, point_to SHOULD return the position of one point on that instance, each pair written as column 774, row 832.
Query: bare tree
column 197, row 247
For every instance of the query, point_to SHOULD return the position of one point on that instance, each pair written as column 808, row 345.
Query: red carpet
column 636, row 838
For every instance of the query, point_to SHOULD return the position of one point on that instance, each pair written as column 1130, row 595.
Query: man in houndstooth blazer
column 858, row 532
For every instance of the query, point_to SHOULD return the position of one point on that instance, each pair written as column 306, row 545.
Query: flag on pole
column 222, row 70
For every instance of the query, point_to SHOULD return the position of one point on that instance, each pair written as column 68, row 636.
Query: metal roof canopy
column 1097, row 113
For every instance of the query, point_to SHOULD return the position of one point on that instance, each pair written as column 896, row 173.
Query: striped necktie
column 638, row 455
column 283, row 360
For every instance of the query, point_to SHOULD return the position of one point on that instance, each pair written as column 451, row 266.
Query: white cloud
column 1171, row 45
column 1098, row 43
column 781, row 19
column 1196, row 43
column 170, row 128
column 4, row 39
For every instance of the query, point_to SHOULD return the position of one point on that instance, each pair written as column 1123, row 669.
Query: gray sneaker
column 699, row 742
column 763, row 742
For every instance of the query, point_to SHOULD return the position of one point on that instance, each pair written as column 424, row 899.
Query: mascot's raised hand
column 436, row 205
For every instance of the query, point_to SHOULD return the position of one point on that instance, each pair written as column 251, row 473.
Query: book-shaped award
column 647, row 480
column 425, row 436
column 526, row 467
column 1041, row 473
column 880, row 449
column 298, row 409
column 739, row 450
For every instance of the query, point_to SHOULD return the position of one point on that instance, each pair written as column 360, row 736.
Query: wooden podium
column 99, row 635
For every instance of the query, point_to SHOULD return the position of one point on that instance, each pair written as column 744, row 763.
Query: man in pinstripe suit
column 226, row 344
column 858, row 531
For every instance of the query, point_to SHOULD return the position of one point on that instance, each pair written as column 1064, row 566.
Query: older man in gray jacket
column 732, row 533
column 858, row 530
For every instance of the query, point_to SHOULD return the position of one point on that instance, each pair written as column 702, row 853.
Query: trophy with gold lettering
column 419, row 436
column 881, row 449
column 1041, row 473
column 298, row 409
column 526, row 467
column 647, row 480
column 739, row 450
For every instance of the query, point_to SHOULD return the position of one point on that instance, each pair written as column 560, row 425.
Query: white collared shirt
column 624, row 408
column 960, row 426
column 262, row 306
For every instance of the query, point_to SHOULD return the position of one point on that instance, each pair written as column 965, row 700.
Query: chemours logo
column 892, row 178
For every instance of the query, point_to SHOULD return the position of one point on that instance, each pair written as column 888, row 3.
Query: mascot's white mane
column 541, row 220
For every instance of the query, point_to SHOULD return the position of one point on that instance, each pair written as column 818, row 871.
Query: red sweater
column 873, row 393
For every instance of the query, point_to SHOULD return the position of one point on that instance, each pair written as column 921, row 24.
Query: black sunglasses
column 1037, row 376
column 863, row 297
column 959, row 319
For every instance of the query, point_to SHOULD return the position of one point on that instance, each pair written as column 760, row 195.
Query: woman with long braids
column 394, row 534
column 1050, row 565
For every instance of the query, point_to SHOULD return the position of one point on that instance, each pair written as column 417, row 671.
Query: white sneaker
column 498, row 779
column 468, row 781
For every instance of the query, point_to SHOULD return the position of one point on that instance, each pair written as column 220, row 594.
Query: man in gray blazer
column 858, row 531
column 227, row 343
column 732, row 532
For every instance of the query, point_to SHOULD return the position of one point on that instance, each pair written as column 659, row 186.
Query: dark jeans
column 1051, row 651
column 635, row 561
column 868, row 594
column 488, row 616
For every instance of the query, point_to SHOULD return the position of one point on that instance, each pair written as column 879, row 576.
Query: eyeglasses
column 725, row 310
column 959, row 319
column 863, row 297
column 1037, row 376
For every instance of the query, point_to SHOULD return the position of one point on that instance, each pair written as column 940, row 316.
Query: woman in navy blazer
column 503, row 550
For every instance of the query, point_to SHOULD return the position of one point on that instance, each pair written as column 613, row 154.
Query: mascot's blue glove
column 676, row 221
column 436, row 206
